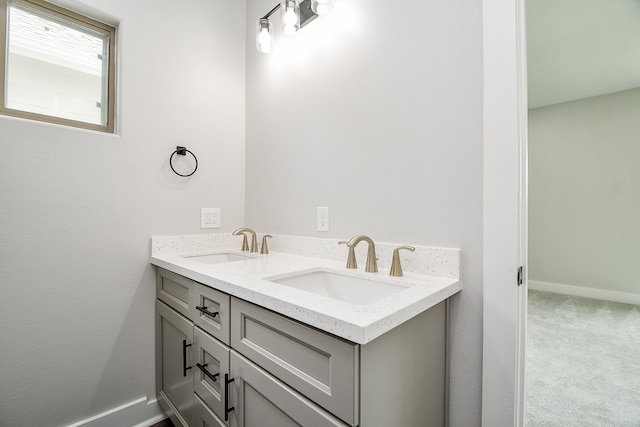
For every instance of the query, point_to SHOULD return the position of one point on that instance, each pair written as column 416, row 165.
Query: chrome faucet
column 372, row 264
column 245, row 247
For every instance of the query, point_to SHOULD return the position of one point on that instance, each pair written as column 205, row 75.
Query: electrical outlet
column 210, row 218
column 323, row 219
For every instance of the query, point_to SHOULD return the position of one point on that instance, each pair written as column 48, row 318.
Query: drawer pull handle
column 205, row 311
column 203, row 368
column 184, row 358
column 227, row 381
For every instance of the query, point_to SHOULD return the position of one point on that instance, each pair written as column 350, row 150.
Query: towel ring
column 182, row 151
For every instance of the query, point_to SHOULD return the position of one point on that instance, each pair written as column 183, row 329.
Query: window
column 56, row 65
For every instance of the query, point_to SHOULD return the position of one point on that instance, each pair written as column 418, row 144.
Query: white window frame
column 83, row 22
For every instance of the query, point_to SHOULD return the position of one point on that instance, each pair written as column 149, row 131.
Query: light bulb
column 322, row 7
column 290, row 17
column 264, row 40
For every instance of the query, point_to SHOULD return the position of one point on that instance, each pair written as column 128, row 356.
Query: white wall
column 77, row 209
column 376, row 112
column 583, row 193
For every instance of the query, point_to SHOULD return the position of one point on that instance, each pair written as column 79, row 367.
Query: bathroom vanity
column 238, row 345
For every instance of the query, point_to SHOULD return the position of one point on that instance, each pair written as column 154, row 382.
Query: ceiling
column 581, row 48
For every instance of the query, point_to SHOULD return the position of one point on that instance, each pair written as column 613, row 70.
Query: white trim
column 137, row 413
column 504, row 247
column 581, row 291
column 523, row 202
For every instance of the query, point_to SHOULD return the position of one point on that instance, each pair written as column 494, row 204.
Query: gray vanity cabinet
column 194, row 359
column 218, row 356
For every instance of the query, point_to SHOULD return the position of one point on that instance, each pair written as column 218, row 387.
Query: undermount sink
column 343, row 287
column 218, row 258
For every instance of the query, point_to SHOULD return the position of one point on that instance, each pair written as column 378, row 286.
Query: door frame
column 505, row 212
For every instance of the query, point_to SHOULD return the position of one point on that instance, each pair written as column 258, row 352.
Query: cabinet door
column 260, row 400
column 174, row 377
column 212, row 363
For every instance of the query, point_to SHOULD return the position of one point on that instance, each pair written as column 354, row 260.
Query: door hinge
column 520, row 275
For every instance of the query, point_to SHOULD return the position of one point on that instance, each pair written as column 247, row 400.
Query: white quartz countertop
column 246, row 279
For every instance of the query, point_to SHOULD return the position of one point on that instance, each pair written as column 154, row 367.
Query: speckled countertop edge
column 357, row 323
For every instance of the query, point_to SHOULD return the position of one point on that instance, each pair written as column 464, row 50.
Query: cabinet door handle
column 227, row 381
column 203, row 368
column 184, row 358
column 205, row 311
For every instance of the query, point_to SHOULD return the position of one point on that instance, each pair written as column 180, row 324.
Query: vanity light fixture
column 295, row 15
column 322, row 7
column 290, row 17
column 264, row 36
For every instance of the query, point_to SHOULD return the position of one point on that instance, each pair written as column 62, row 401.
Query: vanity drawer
column 210, row 311
column 318, row 365
column 260, row 400
column 203, row 416
column 174, row 290
column 208, row 380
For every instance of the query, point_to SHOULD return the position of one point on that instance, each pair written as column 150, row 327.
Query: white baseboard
column 138, row 413
column 581, row 291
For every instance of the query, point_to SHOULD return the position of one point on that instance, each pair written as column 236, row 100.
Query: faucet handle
column 396, row 268
column 351, row 259
column 263, row 248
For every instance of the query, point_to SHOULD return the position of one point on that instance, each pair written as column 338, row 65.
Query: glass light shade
column 290, row 17
column 264, row 38
column 322, row 7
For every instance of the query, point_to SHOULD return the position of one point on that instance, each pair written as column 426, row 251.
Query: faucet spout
column 254, row 243
column 372, row 263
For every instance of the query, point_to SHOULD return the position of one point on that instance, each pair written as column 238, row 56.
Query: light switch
column 323, row 219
